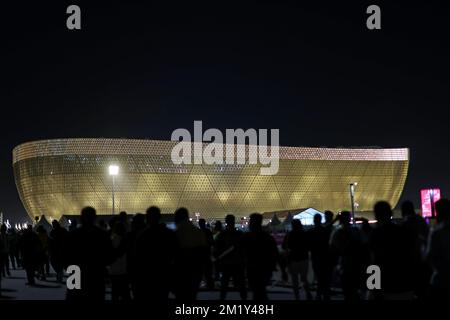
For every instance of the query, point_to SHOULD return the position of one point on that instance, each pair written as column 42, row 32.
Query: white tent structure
column 307, row 216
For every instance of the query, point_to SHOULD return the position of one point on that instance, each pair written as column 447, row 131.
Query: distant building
column 56, row 177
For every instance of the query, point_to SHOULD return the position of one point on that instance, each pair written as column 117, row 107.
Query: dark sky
column 313, row 70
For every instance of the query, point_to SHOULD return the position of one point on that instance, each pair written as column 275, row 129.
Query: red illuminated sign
column 429, row 198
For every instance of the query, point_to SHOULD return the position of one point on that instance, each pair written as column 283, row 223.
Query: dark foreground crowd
column 144, row 260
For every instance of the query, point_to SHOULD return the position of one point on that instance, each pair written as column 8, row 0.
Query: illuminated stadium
column 60, row 176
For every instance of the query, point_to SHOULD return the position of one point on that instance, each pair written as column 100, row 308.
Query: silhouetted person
column 44, row 263
column 153, row 260
column 230, row 258
column 418, row 228
column 90, row 248
column 346, row 243
column 14, row 252
column 31, row 248
column 366, row 257
column 189, row 261
column 261, row 255
column 296, row 245
column 218, row 228
column 1, row 263
column 120, row 288
column 415, row 223
column 5, row 251
column 393, row 251
column 319, row 238
column 208, row 265
column 438, row 252
column 329, row 219
column 137, row 226
column 123, row 218
column 57, row 243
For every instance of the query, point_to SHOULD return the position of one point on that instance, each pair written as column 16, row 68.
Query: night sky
column 312, row 70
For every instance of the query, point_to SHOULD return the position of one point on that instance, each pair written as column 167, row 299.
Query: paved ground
column 14, row 287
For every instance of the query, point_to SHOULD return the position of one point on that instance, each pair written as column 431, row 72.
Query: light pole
column 352, row 199
column 113, row 171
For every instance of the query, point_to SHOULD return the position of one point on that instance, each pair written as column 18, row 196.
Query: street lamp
column 113, row 171
column 352, row 199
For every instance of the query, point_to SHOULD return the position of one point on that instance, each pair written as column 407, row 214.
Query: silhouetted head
column 345, row 217
column 55, row 224
column 408, row 209
column 442, row 210
column 123, row 217
column 202, row 223
column 218, row 226
column 296, row 225
column 383, row 211
column 3, row 228
column 328, row 216
column 317, row 219
column 153, row 215
column 230, row 220
column 138, row 222
column 181, row 215
column 88, row 216
column 255, row 223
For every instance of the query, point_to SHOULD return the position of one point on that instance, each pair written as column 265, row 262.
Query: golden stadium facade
column 60, row 176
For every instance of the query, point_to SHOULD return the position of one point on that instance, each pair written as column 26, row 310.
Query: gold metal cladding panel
column 92, row 146
column 54, row 177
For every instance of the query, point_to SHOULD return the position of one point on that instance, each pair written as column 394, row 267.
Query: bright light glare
column 113, row 170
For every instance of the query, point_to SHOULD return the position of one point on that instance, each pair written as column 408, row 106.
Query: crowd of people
column 142, row 259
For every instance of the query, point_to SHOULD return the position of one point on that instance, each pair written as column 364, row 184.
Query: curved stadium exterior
column 60, row 176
